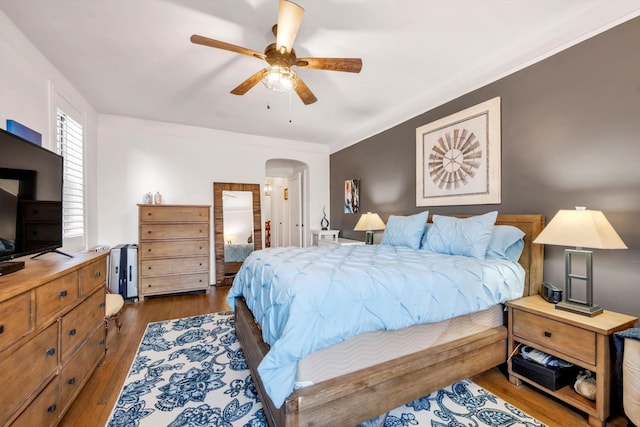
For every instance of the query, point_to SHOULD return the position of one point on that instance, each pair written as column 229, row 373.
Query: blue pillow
column 506, row 242
column 423, row 242
column 461, row 236
column 405, row 230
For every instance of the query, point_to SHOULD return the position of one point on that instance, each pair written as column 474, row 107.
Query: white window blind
column 70, row 146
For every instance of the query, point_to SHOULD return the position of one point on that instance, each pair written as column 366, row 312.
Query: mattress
column 372, row 348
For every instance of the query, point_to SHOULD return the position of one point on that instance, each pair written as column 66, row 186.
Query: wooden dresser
column 173, row 249
column 52, row 335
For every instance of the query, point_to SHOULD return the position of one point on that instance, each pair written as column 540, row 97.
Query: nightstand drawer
column 566, row 339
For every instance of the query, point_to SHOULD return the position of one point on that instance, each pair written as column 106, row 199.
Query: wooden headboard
column 532, row 255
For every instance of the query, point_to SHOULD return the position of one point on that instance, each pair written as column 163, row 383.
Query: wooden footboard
column 356, row 397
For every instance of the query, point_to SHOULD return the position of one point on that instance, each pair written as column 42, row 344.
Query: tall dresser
column 52, row 335
column 173, row 249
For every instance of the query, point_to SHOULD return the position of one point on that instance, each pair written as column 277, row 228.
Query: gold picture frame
column 458, row 159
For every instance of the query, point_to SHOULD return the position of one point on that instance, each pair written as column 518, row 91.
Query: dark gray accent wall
column 570, row 137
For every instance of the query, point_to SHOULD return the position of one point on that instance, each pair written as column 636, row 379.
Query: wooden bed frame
column 361, row 395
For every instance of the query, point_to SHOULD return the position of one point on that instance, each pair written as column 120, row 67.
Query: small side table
column 328, row 235
column 339, row 242
column 583, row 341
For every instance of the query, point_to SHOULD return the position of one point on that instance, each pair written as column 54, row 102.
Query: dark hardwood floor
column 93, row 405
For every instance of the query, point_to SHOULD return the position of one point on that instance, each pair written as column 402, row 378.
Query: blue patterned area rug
column 191, row 372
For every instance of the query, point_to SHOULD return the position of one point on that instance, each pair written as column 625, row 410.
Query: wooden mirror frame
column 218, row 222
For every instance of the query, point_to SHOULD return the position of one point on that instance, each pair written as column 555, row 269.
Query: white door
column 295, row 211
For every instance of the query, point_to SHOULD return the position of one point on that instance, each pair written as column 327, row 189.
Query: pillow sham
column 461, row 236
column 405, row 230
column 506, row 242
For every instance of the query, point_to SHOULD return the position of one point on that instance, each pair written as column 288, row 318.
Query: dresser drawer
column 76, row 325
column 174, row 231
column 24, row 370
column 44, row 411
column 562, row 337
column 92, row 276
column 173, row 249
column 75, row 373
column 55, row 296
column 181, row 283
column 161, row 267
column 174, row 213
column 15, row 319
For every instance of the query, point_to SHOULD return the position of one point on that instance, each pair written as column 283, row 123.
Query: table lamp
column 581, row 228
column 369, row 222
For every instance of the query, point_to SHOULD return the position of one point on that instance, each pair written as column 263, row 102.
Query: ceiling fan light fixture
column 279, row 79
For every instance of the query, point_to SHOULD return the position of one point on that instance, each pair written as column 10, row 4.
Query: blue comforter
column 311, row 298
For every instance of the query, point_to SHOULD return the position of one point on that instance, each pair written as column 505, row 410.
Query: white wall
column 136, row 156
column 182, row 162
column 28, row 84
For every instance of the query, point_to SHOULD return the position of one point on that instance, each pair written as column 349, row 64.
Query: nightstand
column 324, row 235
column 339, row 242
column 583, row 341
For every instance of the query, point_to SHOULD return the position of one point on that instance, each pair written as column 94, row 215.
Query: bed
column 359, row 395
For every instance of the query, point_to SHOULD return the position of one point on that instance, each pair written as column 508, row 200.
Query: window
column 69, row 144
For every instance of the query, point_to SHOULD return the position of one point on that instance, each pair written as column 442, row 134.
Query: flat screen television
column 30, row 198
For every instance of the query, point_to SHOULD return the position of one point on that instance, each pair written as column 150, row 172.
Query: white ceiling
column 134, row 57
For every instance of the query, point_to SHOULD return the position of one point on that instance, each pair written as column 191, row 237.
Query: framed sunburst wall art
column 458, row 158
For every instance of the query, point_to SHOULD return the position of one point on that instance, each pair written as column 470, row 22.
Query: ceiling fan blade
column 205, row 41
column 305, row 93
column 244, row 87
column 289, row 18
column 350, row 65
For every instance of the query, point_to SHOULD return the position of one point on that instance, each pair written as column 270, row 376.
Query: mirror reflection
column 237, row 209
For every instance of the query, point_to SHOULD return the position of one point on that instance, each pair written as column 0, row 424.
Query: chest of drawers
column 51, row 335
column 173, row 249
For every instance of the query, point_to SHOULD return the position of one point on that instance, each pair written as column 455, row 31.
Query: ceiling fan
column 280, row 56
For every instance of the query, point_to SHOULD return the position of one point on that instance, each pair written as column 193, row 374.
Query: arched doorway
column 286, row 203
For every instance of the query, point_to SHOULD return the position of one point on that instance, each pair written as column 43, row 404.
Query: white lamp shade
column 581, row 228
column 368, row 222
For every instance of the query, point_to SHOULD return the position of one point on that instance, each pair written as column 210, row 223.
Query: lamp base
column 582, row 309
column 369, row 237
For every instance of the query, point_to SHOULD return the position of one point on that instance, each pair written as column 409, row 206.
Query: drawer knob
column 96, row 274
column 1, row 329
column 148, row 286
column 547, row 334
column 101, row 342
column 149, row 214
column 149, row 232
column 63, row 294
column 51, row 351
column 72, row 332
column 71, row 381
column 149, row 267
column 101, row 305
column 51, row 408
column 149, row 250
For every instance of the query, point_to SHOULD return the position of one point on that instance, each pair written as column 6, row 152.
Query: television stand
column 7, row 267
column 51, row 250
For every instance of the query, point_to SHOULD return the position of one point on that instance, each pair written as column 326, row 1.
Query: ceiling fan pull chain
column 289, row 106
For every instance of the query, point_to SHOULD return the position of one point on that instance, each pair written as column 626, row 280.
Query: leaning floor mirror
column 237, row 227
